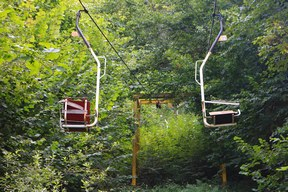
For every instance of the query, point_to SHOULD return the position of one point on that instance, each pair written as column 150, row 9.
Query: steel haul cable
column 114, row 49
column 212, row 25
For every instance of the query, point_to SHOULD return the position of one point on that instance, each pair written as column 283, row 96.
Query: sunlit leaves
column 159, row 40
column 169, row 143
column 267, row 161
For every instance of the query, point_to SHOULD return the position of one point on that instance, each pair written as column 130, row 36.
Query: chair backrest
column 78, row 111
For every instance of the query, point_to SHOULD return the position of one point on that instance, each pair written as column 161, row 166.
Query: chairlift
column 215, row 118
column 75, row 113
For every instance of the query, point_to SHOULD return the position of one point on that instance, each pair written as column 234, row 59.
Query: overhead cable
column 114, row 49
column 212, row 24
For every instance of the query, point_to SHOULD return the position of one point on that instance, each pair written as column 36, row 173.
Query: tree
column 267, row 163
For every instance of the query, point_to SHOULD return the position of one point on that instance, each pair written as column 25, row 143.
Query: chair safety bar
column 200, row 81
column 223, row 103
column 97, row 91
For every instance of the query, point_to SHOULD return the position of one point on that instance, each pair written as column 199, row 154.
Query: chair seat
column 77, row 112
column 223, row 117
column 221, row 112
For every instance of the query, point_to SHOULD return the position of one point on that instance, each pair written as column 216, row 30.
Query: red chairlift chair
column 75, row 114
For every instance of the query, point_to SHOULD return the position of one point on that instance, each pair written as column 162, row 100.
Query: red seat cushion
column 76, row 113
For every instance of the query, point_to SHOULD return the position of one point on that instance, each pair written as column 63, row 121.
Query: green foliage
column 31, row 44
column 42, row 64
column 267, row 161
column 160, row 40
column 83, row 161
column 273, row 40
column 171, row 187
column 28, row 170
column 173, row 147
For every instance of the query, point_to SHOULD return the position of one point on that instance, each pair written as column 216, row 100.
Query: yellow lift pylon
column 139, row 100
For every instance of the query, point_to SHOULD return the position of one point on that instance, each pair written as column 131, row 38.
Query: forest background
column 41, row 63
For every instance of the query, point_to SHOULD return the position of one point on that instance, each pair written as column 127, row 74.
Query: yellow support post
column 138, row 101
column 136, row 141
column 223, row 174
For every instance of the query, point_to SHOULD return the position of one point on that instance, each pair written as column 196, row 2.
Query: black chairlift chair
column 215, row 118
column 75, row 113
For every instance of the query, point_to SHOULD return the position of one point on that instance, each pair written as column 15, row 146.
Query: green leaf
column 285, row 168
column 34, row 67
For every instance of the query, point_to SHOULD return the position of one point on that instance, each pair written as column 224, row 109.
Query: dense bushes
column 160, row 40
column 267, row 162
column 173, row 147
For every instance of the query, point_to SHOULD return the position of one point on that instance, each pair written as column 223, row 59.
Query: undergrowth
column 199, row 187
